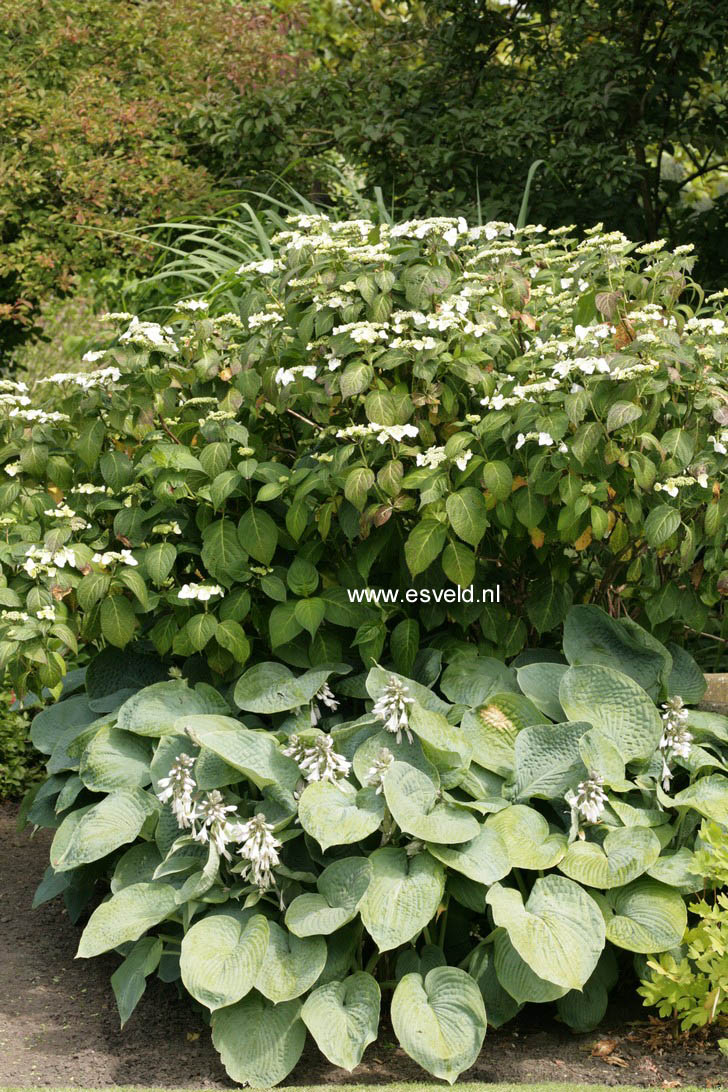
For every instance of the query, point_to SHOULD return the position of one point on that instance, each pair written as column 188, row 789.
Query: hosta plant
column 380, row 406
column 304, row 849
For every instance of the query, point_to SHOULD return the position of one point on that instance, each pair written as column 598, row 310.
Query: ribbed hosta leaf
column 616, row 705
column 113, row 822
column 547, row 760
column 708, row 796
column 483, row 859
column 378, row 680
column 256, row 754
column 341, row 887
column 403, row 751
column 343, row 1018
column 592, row 637
column 583, row 1010
column 403, row 896
column 624, row 855
column 221, row 956
column 527, row 836
column 115, row 760
column 499, row 1005
column 273, row 688
column 518, row 979
column 675, row 869
column 291, row 964
column 600, row 756
column 686, row 678
column 440, row 1021
column 540, row 683
column 491, row 730
column 413, row 800
column 470, row 680
column 442, row 742
column 153, row 710
column 337, row 815
column 647, row 916
column 125, row 916
column 559, row 932
column 259, row 1042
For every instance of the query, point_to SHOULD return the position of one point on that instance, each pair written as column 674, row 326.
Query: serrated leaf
column 258, row 535
column 467, row 514
column 424, row 545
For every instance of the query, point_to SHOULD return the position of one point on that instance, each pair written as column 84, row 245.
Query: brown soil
column 59, row 1025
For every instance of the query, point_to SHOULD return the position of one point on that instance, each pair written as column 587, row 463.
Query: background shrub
column 20, row 763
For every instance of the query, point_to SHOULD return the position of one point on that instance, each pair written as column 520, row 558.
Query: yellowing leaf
column 537, row 537
column 584, row 540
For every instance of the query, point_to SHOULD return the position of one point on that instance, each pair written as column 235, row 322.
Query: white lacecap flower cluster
column 316, row 759
column 111, row 557
column 544, row 439
column 39, row 561
column 393, row 707
column 676, row 740
column 149, row 335
column 375, row 774
column 286, row 376
column 589, row 799
column 201, row 592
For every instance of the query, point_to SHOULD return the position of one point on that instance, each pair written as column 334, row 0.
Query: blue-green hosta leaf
column 113, row 822
column 614, row 704
column 583, row 1010
column 342, row 946
column 708, row 796
column 413, row 801
column 547, row 760
column 646, row 916
column 624, row 855
column 343, row 1018
column 485, row 788
column 471, row 680
column 499, row 1004
column 259, row 1043
column 540, row 683
column 115, row 760
column 676, row 870
column 336, row 814
column 491, row 730
column 256, row 754
column 443, row 743
column 341, row 887
column 592, row 637
column 559, row 932
column 707, row 727
column 125, row 916
column 154, row 710
column 402, row 897
column 530, row 842
column 48, row 725
column 483, row 859
column 222, row 955
column 600, row 756
column 440, row 1021
column 290, row 965
column 378, row 679
column 685, row 679
column 129, row 980
column 137, row 865
column 517, row 978
column 367, row 752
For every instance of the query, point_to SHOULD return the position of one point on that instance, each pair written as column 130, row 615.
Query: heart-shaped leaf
column 222, row 955
column 402, row 897
column 341, row 886
column 483, row 859
column 540, row 683
column 491, row 730
column 547, row 760
column 255, row 754
column 526, row 833
column 113, row 822
column 592, row 637
column 614, row 704
column 125, row 916
column 625, row 854
column 517, row 978
column 259, row 1042
column 154, row 710
column 343, row 1018
column 646, row 916
column 336, row 814
column 413, row 801
column 290, row 965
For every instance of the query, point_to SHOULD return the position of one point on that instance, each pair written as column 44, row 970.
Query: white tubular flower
column 325, row 695
column 178, row 788
column 375, row 774
column 589, row 798
column 260, row 848
column 320, row 762
column 212, row 815
column 392, row 707
column 46, row 614
column 676, row 740
column 296, row 749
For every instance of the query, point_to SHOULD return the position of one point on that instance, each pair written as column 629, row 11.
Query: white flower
column 178, row 788
column 149, row 335
column 317, row 761
column 46, row 614
column 192, row 305
column 212, row 815
column 431, row 458
column 396, row 433
column 111, row 556
column 264, row 318
column 392, row 707
column 202, row 592
column 325, row 695
column 260, row 848
column 375, row 774
column 11, row 469
column 589, row 799
column 463, row 459
column 676, row 740
column 93, row 355
column 62, row 512
column 284, row 376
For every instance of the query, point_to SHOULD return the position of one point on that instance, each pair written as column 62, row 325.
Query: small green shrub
column 20, row 763
column 303, row 846
column 420, row 404
column 691, row 984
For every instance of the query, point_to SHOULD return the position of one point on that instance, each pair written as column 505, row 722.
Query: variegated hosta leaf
column 559, row 932
column 125, row 916
column 547, row 760
column 341, row 887
column 592, row 637
column 483, row 859
column 338, row 815
column 470, row 680
column 708, row 796
column 527, row 836
column 499, row 1005
column 153, row 710
column 491, row 730
column 583, row 1010
column 517, row 978
column 343, row 1018
column 413, row 801
column 624, row 855
column 291, row 964
column 675, row 869
column 259, row 1042
column 221, row 956
column 646, row 916
column 616, row 705
column 403, row 751
column 540, row 683
column 255, row 754
column 403, row 896
column 115, row 760
column 440, row 1021
column 113, row 822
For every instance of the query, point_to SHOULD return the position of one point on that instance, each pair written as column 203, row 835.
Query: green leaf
column 646, row 916
column 614, row 704
column 470, row 680
column 483, row 859
column 224, row 555
column 343, row 1018
column 154, row 710
column 499, row 1005
column 222, row 955
column 158, row 560
column 258, row 535
column 338, row 814
column 341, row 888
column 130, row 979
column 255, row 754
column 402, row 897
column 467, row 514
column 309, row 613
column 114, row 760
column 118, row 620
column 624, row 855
column 113, row 822
column 559, row 932
column 708, row 796
column 440, row 1022
column 458, row 564
column 518, row 979
column 498, row 479
column 583, row 1010
column 413, row 801
column 273, row 688
column 528, row 838
column 404, row 644
column 621, row 414
column 125, row 916
column 491, row 730
column 661, row 524
column 259, row 1043
column 592, row 637
column 548, row 602
column 540, row 683
column 547, row 760
column 358, row 483
column 424, row 545
column 231, row 635
column 90, row 441
column 290, row 965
